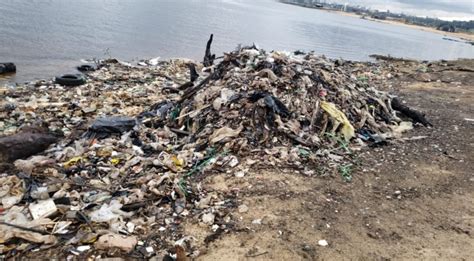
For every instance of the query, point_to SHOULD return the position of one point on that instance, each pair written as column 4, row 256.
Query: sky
column 443, row 9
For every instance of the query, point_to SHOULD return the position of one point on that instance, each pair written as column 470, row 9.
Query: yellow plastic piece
column 347, row 128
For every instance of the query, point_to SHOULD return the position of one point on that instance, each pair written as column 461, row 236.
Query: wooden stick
column 208, row 57
column 193, row 72
column 259, row 254
column 181, row 131
column 416, row 116
column 24, row 228
column 195, row 89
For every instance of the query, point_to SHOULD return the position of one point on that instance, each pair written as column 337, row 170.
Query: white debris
column 108, row 212
column 130, row 227
column 208, row 218
column 233, row 162
column 323, row 242
column 124, row 243
column 243, row 208
column 83, row 248
column 43, row 208
column 40, row 193
column 239, row 174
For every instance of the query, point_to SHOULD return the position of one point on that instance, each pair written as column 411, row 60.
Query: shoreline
column 25, row 73
column 463, row 36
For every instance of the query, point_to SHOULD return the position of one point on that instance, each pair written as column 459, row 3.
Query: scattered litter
column 149, row 249
column 223, row 134
column 125, row 151
column 347, row 130
column 27, row 166
column 39, row 193
column 240, row 174
column 83, row 248
column 108, row 212
column 109, row 241
column 208, row 218
column 42, row 209
column 104, row 127
column 7, row 233
column 12, row 190
column 401, row 128
column 243, row 208
column 323, row 242
column 415, row 138
column 14, row 224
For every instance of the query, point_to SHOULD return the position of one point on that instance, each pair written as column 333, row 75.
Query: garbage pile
column 116, row 163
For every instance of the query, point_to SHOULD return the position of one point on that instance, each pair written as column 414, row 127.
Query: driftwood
column 27, row 142
column 24, row 228
column 191, row 91
column 185, row 86
column 193, row 77
column 416, row 116
column 208, row 57
column 208, row 61
column 171, row 89
column 193, row 72
column 299, row 140
column 218, row 73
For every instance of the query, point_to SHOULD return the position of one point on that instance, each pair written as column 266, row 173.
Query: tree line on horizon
column 443, row 25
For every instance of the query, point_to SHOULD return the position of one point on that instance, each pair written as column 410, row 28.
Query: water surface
column 50, row 37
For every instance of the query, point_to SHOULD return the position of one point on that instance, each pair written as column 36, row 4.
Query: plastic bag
column 347, row 129
column 104, row 127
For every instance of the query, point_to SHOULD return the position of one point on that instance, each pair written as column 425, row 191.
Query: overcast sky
column 444, row 9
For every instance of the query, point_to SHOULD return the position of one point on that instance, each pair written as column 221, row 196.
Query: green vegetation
column 346, row 172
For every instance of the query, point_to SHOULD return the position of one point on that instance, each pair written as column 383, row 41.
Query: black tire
column 70, row 80
column 7, row 68
column 86, row 68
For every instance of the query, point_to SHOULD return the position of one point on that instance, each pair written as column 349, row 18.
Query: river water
column 50, row 37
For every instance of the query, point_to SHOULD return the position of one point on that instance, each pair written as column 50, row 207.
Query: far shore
column 463, row 36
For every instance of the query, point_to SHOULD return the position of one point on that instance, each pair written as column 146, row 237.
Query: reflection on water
column 46, row 38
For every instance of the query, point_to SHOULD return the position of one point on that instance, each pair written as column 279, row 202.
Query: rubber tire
column 7, row 68
column 86, row 68
column 70, row 80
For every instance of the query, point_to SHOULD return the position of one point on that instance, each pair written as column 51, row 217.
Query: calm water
column 50, row 37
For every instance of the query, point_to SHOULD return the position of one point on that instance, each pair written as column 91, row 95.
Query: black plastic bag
column 272, row 103
column 104, row 127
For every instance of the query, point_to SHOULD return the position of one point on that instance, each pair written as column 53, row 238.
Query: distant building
column 309, row 3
